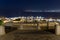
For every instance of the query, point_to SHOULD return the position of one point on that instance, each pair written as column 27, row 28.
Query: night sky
column 11, row 8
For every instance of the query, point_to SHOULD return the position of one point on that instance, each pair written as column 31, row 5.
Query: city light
column 29, row 18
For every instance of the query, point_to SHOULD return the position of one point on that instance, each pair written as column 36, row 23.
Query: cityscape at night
column 29, row 19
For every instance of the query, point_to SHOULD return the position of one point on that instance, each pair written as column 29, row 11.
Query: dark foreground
column 30, row 35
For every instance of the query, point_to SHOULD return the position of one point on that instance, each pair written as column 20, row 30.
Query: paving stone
column 17, row 35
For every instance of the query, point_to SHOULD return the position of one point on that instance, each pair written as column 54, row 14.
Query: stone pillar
column 57, row 30
column 20, row 28
column 39, row 28
column 2, row 30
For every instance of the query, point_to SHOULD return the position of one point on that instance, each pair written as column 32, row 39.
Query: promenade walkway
column 29, row 35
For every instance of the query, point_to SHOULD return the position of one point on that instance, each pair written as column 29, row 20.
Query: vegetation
column 1, row 22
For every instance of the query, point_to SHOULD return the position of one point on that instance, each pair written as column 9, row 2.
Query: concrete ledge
column 2, row 30
column 57, row 30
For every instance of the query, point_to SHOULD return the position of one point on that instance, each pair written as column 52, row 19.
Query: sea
column 22, row 13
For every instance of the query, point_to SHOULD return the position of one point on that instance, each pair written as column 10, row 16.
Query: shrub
column 1, row 22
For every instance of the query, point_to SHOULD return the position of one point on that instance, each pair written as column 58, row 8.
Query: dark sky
column 30, row 4
column 12, row 7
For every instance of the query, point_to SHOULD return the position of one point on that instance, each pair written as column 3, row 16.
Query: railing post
column 38, row 26
column 20, row 27
column 2, row 30
column 57, row 29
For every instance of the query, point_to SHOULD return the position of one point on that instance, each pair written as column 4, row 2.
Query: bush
column 1, row 22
